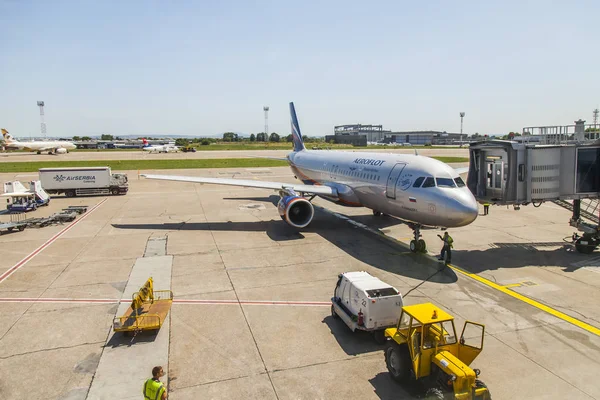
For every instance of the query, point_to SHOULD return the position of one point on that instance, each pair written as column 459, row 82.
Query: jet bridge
column 559, row 167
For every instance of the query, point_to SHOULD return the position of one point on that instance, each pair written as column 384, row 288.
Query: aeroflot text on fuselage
column 369, row 161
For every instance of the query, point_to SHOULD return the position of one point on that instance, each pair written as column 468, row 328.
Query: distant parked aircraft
column 52, row 147
column 162, row 148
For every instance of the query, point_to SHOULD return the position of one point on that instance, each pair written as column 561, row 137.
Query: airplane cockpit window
column 445, row 182
column 418, row 181
column 429, row 182
column 459, row 182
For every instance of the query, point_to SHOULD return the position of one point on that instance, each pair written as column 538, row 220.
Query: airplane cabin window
column 418, row 181
column 459, row 182
column 445, row 182
column 429, row 182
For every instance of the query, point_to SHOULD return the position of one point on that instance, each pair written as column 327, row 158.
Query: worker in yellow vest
column 486, row 208
column 153, row 387
column 447, row 239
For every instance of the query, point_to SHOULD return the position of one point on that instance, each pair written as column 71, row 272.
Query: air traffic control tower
column 562, row 165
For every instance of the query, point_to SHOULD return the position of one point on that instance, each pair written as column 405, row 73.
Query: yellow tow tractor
column 147, row 312
column 423, row 347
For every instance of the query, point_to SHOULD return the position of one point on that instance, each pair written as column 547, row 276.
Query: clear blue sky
column 200, row 67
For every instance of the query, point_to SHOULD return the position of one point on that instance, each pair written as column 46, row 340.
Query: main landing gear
column 417, row 245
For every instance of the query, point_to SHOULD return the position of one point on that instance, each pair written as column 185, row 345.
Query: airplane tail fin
column 296, row 135
column 145, row 142
column 7, row 137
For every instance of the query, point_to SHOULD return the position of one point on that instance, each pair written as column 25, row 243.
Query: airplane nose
column 463, row 211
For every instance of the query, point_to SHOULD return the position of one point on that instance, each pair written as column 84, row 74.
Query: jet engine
column 296, row 211
column 60, row 150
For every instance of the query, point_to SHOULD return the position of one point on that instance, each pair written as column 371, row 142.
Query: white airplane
column 418, row 190
column 163, row 148
column 52, row 147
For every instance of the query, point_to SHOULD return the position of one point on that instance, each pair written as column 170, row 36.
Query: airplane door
column 390, row 190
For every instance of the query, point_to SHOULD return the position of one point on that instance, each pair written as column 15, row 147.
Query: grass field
column 120, row 165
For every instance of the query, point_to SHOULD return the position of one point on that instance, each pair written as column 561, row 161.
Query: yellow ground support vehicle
column 423, row 347
column 147, row 312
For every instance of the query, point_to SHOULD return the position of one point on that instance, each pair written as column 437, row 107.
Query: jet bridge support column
column 576, row 210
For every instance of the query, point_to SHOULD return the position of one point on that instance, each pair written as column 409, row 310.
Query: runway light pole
column 462, row 115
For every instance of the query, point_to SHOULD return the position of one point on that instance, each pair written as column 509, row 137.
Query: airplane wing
column 314, row 189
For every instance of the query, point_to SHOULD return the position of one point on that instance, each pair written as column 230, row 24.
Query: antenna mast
column 266, row 110
column 42, row 123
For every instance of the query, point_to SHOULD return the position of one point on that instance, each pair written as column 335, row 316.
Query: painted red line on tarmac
column 55, row 300
column 256, row 302
column 37, row 251
column 182, row 301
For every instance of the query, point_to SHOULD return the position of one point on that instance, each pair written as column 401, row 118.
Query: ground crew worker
column 153, row 387
column 447, row 248
column 486, row 208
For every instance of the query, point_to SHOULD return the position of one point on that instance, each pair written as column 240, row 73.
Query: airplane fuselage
column 40, row 145
column 414, row 188
column 161, row 149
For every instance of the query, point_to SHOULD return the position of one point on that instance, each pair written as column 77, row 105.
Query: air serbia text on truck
column 83, row 181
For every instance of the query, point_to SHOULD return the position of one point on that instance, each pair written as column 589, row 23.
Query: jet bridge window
column 459, row 182
column 418, row 181
column 588, row 170
column 445, row 182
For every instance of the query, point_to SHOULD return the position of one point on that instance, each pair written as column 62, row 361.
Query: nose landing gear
column 417, row 245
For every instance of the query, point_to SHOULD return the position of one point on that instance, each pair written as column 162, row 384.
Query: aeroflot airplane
column 419, row 190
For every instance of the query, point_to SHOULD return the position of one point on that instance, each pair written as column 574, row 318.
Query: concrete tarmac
column 142, row 155
column 236, row 268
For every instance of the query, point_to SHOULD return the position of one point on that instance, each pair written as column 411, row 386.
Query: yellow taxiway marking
column 531, row 302
column 512, row 285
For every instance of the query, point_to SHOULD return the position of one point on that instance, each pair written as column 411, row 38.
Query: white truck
column 366, row 303
column 80, row 181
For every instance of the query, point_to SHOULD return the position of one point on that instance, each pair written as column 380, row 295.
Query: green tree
column 252, row 137
column 181, row 142
column 106, row 137
column 205, row 142
column 289, row 138
column 274, row 137
column 260, row 137
column 86, row 138
column 76, row 138
column 230, row 137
